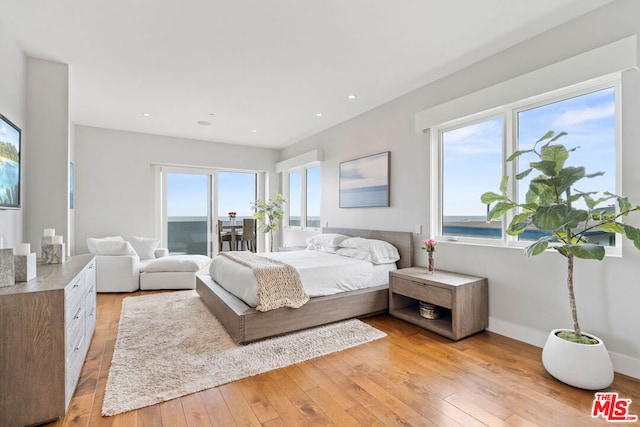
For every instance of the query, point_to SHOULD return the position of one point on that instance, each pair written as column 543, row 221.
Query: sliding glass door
column 188, row 213
column 193, row 202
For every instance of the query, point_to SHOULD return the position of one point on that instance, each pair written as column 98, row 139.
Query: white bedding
column 321, row 274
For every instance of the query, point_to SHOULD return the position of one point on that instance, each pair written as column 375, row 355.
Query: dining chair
column 247, row 239
column 223, row 236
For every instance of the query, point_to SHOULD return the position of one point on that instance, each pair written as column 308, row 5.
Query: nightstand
column 463, row 299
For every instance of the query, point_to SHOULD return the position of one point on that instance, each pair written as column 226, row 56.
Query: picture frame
column 10, row 164
column 364, row 182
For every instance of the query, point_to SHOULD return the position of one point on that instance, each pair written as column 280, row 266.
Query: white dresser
column 46, row 326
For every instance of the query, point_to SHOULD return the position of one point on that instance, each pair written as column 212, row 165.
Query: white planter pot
column 586, row 366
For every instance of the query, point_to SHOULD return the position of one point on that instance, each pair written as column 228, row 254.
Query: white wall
column 13, row 106
column 47, row 171
column 527, row 296
column 115, row 183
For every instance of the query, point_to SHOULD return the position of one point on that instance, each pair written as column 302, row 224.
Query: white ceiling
column 263, row 68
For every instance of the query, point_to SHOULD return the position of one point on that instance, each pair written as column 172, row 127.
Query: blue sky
column 188, row 194
column 473, row 155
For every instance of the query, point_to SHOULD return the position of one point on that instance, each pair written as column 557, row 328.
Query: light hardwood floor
column 412, row 377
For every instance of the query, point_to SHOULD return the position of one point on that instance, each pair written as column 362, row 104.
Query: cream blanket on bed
column 279, row 283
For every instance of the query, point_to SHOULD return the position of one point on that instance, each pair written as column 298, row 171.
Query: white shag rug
column 170, row 345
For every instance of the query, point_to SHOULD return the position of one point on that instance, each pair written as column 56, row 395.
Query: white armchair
column 118, row 264
column 121, row 273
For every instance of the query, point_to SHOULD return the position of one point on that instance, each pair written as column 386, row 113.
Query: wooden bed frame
column 246, row 324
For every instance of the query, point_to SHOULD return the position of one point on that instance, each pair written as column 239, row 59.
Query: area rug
column 170, row 345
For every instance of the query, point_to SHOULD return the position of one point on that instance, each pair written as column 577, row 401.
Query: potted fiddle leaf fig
column 269, row 213
column 566, row 215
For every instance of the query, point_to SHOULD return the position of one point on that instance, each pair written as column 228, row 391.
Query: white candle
column 23, row 249
column 57, row 240
column 49, row 232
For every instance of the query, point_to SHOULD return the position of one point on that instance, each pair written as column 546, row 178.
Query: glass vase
column 431, row 266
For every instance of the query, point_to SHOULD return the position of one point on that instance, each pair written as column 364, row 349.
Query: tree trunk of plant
column 572, row 297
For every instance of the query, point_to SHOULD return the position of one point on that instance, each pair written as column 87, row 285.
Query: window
column 304, row 197
column 472, row 155
column 313, row 197
column 295, row 199
column 471, row 162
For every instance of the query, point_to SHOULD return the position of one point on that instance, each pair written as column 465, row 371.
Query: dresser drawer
column 75, row 360
column 76, row 326
column 74, row 296
column 422, row 292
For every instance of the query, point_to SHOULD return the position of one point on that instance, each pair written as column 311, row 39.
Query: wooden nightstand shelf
column 465, row 298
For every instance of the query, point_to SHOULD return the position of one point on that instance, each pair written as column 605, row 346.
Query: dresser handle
column 77, row 347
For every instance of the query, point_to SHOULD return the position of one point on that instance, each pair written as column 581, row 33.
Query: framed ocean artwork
column 364, row 182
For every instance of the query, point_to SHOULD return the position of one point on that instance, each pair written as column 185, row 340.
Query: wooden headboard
column 403, row 240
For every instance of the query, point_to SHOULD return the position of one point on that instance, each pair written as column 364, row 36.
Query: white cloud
column 579, row 116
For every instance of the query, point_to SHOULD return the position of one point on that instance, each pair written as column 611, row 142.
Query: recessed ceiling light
column 204, row 123
column 318, row 114
column 146, row 114
column 351, row 97
column 211, row 115
column 254, row 131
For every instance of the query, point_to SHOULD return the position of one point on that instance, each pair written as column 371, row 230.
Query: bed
column 246, row 324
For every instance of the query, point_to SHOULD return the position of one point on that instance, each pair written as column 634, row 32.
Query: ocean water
column 364, row 196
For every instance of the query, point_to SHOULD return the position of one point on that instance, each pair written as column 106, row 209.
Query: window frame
column 509, row 113
column 303, row 197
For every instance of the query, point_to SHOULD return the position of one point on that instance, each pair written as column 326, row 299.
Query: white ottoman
column 173, row 272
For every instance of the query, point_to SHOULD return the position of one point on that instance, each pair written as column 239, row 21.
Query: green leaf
column 569, row 176
column 557, row 154
column 517, row 154
column 587, row 251
column 503, row 185
column 558, row 136
column 593, row 175
column 518, row 224
column 490, row 197
column 538, row 247
column 550, row 218
column 524, row 174
column 612, row 227
column 624, row 204
column 547, row 167
column 547, row 135
column 500, row 209
column 633, row 234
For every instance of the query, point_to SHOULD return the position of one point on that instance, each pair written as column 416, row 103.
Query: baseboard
column 621, row 363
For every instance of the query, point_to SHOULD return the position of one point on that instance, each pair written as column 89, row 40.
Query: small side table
column 464, row 298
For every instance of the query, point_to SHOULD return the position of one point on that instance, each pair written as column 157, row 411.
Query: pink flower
column 429, row 245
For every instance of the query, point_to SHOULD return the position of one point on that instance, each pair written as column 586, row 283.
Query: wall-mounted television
column 10, row 135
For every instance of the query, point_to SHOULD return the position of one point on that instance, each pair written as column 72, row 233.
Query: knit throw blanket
column 279, row 283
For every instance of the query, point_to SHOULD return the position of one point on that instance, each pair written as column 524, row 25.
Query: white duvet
column 321, row 274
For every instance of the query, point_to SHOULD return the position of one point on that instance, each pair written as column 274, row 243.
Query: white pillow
column 355, row 253
column 177, row 263
column 328, row 249
column 145, row 247
column 109, row 246
column 329, row 240
column 381, row 252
